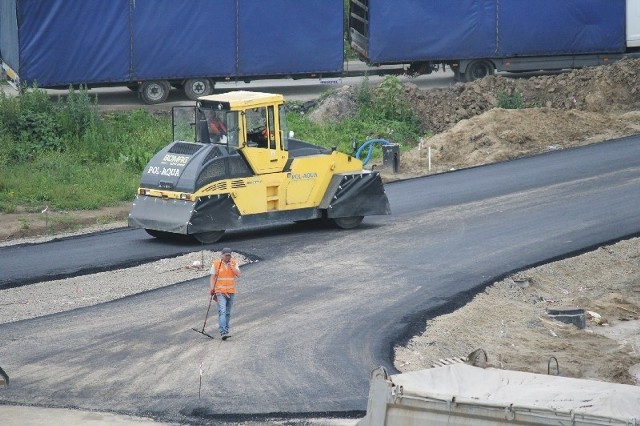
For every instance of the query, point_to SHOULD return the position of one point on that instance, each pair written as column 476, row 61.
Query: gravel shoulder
column 62, row 295
column 509, row 320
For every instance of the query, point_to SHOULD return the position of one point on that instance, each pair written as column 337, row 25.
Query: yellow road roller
column 234, row 164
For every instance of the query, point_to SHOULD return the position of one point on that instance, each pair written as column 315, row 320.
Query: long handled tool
column 205, row 321
column 208, row 308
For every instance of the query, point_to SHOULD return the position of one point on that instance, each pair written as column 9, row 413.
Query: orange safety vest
column 226, row 282
column 216, row 126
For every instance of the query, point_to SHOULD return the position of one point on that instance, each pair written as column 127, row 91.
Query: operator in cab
column 217, row 128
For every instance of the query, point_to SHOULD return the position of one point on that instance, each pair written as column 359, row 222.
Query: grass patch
column 64, row 155
column 66, row 182
column 382, row 113
column 515, row 100
column 103, row 220
column 61, row 223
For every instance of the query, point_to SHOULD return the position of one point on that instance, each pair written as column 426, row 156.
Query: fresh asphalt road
column 320, row 308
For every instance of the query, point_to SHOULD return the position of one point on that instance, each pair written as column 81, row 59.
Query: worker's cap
column 226, row 250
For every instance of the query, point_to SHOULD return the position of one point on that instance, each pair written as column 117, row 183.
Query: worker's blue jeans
column 225, row 303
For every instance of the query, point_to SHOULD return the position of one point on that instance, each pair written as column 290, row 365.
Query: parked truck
column 153, row 45
column 476, row 38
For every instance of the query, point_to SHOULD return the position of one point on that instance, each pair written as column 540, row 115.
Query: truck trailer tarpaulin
column 408, row 30
column 56, row 43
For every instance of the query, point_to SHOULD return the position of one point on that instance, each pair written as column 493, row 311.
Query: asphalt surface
column 320, row 308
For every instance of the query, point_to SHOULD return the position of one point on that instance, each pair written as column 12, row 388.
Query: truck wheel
column 196, row 87
column 479, row 69
column 347, row 222
column 208, row 237
column 154, row 91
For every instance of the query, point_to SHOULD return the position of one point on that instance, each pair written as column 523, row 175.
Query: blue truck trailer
column 151, row 45
column 476, row 38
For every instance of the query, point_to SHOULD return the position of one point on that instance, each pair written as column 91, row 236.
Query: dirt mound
column 501, row 134
column 604, row 89
column 337, row 107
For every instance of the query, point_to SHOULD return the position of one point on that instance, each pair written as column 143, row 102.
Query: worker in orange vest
column 217, row 129
column 223, row 288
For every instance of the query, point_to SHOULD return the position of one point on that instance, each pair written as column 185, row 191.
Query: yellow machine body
column 234, row 164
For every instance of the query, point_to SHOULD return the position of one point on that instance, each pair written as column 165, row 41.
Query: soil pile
column 564, row 110
column 604, row 89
